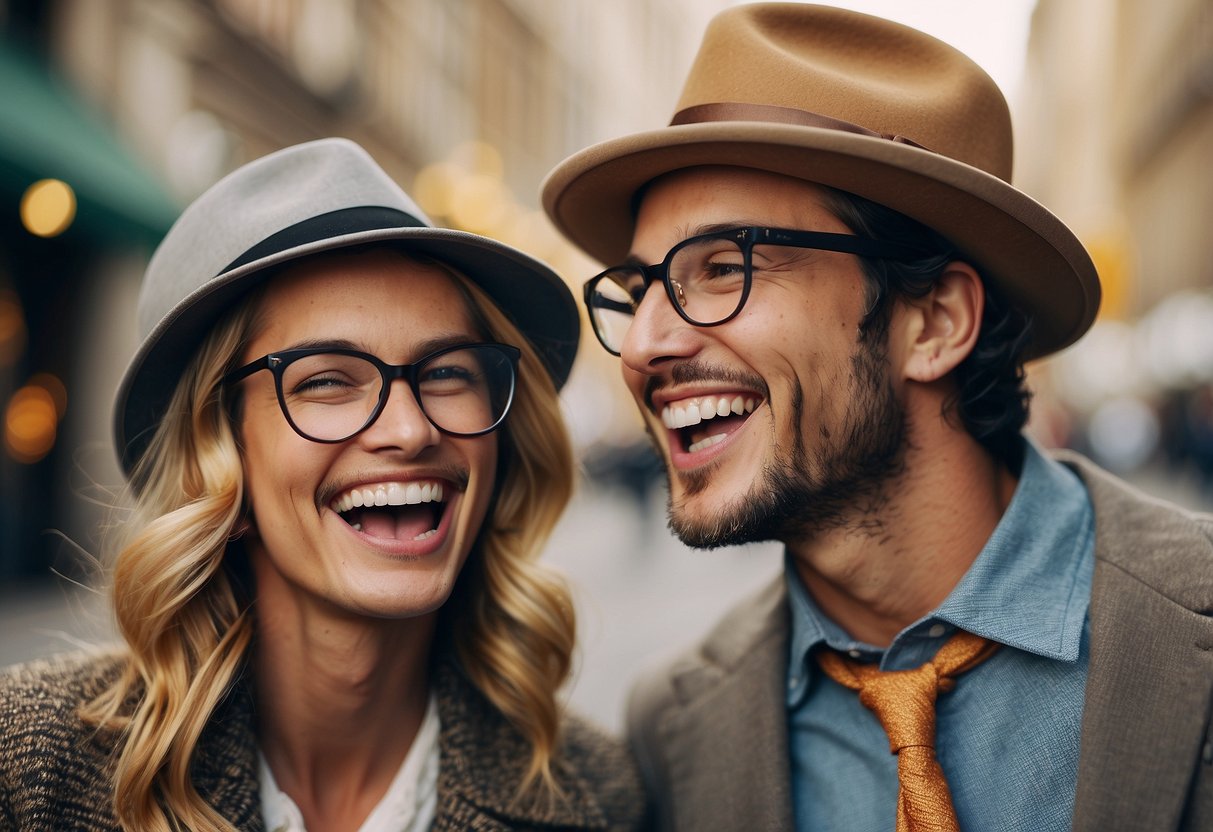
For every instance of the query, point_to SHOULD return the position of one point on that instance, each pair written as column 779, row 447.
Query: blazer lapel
column 727, row 741
column 484, row 759
column 1151, row 673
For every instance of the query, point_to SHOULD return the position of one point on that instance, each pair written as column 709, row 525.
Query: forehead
column 683, row 203
column 379, row 299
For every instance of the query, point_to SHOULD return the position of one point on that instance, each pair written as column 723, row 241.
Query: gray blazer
column 710, row 732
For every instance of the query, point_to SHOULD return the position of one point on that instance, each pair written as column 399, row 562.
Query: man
column 828, row 353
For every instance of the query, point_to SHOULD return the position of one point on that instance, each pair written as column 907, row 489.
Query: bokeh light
column 55, row 387
column 434, row 188
column 48, row 207
column 480, row 203
column 30, row 423
column 479, row 158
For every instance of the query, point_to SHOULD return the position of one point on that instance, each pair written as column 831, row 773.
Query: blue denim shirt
column 1007, row 736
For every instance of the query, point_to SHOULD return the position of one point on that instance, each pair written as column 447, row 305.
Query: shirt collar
column 1029, row 587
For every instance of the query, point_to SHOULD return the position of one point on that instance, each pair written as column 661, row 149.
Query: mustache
column 691, row 372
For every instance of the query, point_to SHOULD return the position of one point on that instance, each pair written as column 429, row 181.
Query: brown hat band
column 734, row 111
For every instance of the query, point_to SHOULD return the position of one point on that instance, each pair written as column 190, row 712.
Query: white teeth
column 389, row 494
column 425, row 535
column 686, row 415
column 705, row 443
column 357, row 527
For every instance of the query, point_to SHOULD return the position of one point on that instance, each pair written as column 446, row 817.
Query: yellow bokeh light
column 55, row 387
column 479, row 203
column 48, row 207
column 434, row 187
column 479, row 158
column 30, row 422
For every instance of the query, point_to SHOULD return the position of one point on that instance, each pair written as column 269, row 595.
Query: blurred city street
column 640, row 594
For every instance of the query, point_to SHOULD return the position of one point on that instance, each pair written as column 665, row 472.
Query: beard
column 842, row 483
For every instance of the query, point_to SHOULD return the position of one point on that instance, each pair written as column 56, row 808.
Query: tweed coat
column 710, row 729
column 53, row 768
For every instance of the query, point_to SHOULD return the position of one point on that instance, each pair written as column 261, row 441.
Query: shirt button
column 937, row 630
column 853, row 653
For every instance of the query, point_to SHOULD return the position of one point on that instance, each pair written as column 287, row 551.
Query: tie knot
column 904, row 700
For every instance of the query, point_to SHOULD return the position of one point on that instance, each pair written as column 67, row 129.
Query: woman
column 344, row 448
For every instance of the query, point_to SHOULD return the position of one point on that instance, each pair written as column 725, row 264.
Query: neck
column 339, row 700
column 898, row 557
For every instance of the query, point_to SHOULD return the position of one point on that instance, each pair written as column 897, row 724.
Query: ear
column 942, row 327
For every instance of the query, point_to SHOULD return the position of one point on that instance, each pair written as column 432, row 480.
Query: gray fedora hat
column 296, row 202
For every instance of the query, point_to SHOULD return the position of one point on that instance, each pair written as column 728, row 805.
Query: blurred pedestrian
column 345, row 448
column 828, row 352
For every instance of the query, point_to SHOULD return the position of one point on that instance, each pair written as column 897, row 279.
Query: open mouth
column 393, row 510
column 704, row 421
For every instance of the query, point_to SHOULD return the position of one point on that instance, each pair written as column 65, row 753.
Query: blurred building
column 1115, row 135
column 129, row 108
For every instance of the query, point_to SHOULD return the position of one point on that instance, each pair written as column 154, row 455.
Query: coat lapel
column 484, row 758
column 726, row 739
column 1151, row 673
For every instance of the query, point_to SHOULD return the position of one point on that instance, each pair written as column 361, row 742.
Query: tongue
column 402, row 523
column 721, row 424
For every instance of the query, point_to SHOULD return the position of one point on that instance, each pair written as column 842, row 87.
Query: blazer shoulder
column 52, row 764
column 53, row 688
column 750, row 624
column 1156, row 543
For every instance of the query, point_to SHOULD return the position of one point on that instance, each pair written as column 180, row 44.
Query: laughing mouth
column 703, row 421
column 393, row 510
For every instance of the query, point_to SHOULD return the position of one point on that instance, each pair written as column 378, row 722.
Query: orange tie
column 904, row 702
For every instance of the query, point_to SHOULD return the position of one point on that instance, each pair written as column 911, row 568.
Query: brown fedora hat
column 857, row 103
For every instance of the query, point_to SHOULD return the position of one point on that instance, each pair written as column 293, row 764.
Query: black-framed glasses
column 331, row 395
column 708, row 277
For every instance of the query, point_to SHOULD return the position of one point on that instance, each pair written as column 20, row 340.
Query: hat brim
column 534, row 297
column 1015, row 242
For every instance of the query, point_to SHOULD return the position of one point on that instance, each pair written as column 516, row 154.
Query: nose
column 401, row 424
column 658, row 334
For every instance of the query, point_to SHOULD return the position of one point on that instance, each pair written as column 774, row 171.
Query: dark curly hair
column 991, row 398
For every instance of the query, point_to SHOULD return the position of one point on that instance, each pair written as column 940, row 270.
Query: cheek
column 278, row 464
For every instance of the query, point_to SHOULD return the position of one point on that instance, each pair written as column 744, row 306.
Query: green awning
column 46, row 131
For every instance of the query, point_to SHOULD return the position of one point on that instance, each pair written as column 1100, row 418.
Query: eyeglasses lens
column 706, row 274
column 330, row 396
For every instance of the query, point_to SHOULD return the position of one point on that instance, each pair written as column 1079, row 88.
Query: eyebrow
column 421, row 348
column 698, row 231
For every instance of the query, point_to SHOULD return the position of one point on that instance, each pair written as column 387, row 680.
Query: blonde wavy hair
column 188, row 623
